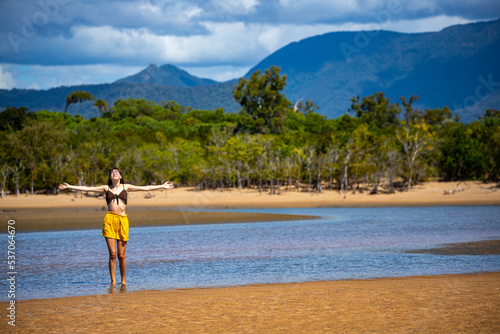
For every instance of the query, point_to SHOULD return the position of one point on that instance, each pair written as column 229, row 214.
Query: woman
column 115, row 226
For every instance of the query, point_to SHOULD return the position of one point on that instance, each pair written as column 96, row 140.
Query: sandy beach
column 424, row 194
column 438, row 304
column 177, row 207
column 430, row 304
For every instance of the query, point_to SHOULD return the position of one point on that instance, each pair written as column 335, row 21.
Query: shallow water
column 345, row 243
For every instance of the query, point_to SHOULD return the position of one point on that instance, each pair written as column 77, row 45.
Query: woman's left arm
column 166, row 185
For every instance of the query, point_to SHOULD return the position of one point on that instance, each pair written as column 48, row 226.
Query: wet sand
column 66, row 218
column 487, row 247
column 429, row 304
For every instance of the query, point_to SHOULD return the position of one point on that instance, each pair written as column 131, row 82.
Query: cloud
column 435, row 23
column 224, row 43
column 233, row 7
column 205, row 35
column 228, row 51
column 6, row 79
column 218, row 73
column 44, row 77
column 49, row 32
column 468, row 9
column 365, row 11
column 186, row 17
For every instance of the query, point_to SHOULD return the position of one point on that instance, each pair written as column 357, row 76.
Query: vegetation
column 269, row 145
column 77, row 97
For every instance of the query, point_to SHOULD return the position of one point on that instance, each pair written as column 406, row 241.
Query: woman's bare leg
column 122, row 245
column 111, row 243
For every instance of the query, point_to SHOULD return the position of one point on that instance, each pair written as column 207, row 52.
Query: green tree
column 262, row 99
column 437, row 116
column 14, row 118
column 415, row 139
column 362, row 147
column 4, row 173
column 305, row 108
column 153, row 142
column 491, row 143
column 101, row 106
column 470, row 151
column 376, row 110
column 36, row 145
column 238, row 152
column 77, row 97
column 411, row 114
column 491, row 113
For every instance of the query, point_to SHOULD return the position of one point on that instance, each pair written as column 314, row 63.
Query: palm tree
column 101, row 106
column 78, row 96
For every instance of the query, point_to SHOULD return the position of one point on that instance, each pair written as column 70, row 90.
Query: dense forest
column 270, row 145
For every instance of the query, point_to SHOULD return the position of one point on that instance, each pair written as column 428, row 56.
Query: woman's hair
column 110, row 182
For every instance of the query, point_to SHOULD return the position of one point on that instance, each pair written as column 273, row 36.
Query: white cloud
column 228, row 51
column 235, row 7
column 312, row 5
column 6, row 79
column 218, row 73
column 430, row 6
column 44, row 77
column 226, row 35
column 225, row 44
column 131, row 14
column 109, row 43
column 404, row 26
column 429, row 24
column 321, row 11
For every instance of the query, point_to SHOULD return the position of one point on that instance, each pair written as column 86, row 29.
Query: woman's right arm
column 83, row 188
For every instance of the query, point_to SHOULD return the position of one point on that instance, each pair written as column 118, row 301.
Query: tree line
column 271, row 144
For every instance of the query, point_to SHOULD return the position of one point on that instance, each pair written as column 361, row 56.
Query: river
column 344, row 243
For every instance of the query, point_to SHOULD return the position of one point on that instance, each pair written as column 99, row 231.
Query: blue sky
column 50, row 43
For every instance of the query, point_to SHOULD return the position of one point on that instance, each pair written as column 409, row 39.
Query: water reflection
column 114, row 288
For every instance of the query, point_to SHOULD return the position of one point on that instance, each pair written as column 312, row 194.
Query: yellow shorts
column 115, row 226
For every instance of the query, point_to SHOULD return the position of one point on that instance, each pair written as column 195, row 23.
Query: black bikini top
column 122, row 195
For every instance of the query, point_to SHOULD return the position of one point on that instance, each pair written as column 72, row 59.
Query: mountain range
column 456, row 67
column 443, row 68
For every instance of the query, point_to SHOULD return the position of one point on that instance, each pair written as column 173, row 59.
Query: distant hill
column 457, row 67
column 166, row 75
column 443, row 68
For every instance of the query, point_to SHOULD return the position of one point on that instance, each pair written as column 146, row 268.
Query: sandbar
column 423, row 304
